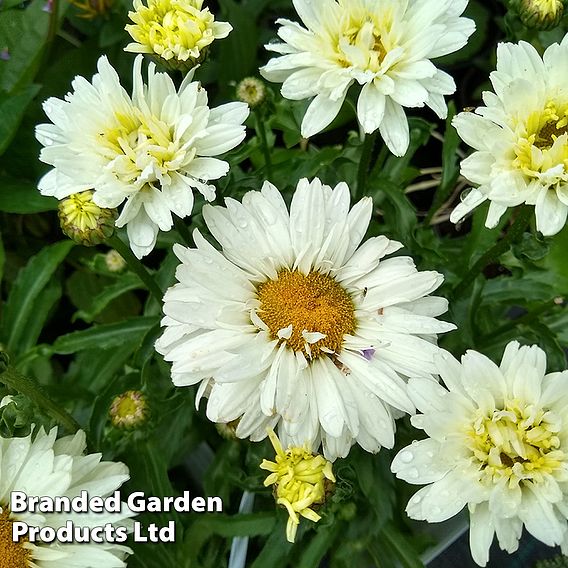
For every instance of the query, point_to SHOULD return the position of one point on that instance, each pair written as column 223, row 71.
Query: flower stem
column 365, row 163
column 26, row 386
column 136, row 266
column 513, row 234
column 261, row 133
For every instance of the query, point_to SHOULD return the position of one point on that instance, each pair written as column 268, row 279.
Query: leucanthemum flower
column 293, row 323
column 497, row 442
column 384, row 45
column 520, row 137
column 301, row 480
column 44, row 466
column 148, row 151
column 177, row 31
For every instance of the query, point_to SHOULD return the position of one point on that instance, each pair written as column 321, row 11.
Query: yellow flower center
column 516, row 443
column 536, row 151
column 308, row 303
column 129, row 409
column 138, row 143
column 172, row 28
column 12, row 554
column 80, row 211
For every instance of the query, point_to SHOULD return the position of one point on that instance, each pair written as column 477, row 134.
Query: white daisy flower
column 384, row 45
column 46, row 467
column 497, row 442
column 149, row 151
column 520, row 137
column 293, row 323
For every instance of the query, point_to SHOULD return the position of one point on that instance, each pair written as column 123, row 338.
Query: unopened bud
column 114, row 262
column 83, row 221
column 540, row 14
column 251, row 91
column 129, row 410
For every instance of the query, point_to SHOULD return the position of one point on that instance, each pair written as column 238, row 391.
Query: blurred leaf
column 24, row 33
column 21, row 304
column 275, row 553
column 19, row 196
column 107, row 295
column 12, row 108
column 104, row 336
column 401, row 546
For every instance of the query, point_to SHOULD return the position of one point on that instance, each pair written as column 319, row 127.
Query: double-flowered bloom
column 147, row 152
column 386, row 46
column 498, row 443
column 520, row 137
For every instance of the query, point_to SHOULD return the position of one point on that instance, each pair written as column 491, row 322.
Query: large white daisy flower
column 46, row 467
column 149, row 150
column 520, row 137
column 292, row 323
column 498, row 442
column 384, row 45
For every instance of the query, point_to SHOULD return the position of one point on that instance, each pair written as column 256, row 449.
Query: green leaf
column 18, row 196
column 30, row 282
column 23, row 33
column 313, row 553
column 107, row 295
column 2, row 259
column 401, row 546
column 104, row 336
column 12, row 109
column 276, row 551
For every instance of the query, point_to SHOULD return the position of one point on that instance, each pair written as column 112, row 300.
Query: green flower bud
column 85, row 222
column 129, row 410
column 251, row 91
column 540, row 14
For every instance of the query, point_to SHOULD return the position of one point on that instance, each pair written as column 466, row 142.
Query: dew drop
column 412, row 473
column 464, row 194
column 416, row 499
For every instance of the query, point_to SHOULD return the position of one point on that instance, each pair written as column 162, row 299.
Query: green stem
column 136, row 266
column 513, row 234
column 365, row 163
column 53, row 17
column 183, row 231
column 261, row 133
column 11, row 378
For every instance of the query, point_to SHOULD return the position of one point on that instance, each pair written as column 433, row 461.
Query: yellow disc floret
column 517, row 443
column 12, row 554
column 311, row 312
column 175, row 30
column 300, row 481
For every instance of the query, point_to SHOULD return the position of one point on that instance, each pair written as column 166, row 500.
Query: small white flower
column 276, row 327
column 497, row 442
column 46, row 467
column 520, row 137
column 148, row 152
column 384, row 45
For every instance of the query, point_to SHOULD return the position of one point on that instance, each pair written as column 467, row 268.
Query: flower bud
column 85, row 222
column 129, row 410
column 540, row 14
column 91, row 9
column 251, row 91
column 114, row 262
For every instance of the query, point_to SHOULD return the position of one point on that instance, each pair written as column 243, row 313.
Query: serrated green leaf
column 29, row 284
column 104, row 336
column 18, row 196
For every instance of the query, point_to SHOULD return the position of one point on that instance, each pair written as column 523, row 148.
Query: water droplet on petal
column 464, row 194
column 406, row 456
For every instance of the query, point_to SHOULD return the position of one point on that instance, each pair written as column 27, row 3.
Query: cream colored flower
column 147, row 152
column 175, row 30
column 46, row 467
column 296, row 323
column 383, row 45
column 520, row 138
column 301, row 480
column 498, row 443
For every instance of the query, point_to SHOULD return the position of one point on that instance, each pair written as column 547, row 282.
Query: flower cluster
column 291, row 319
